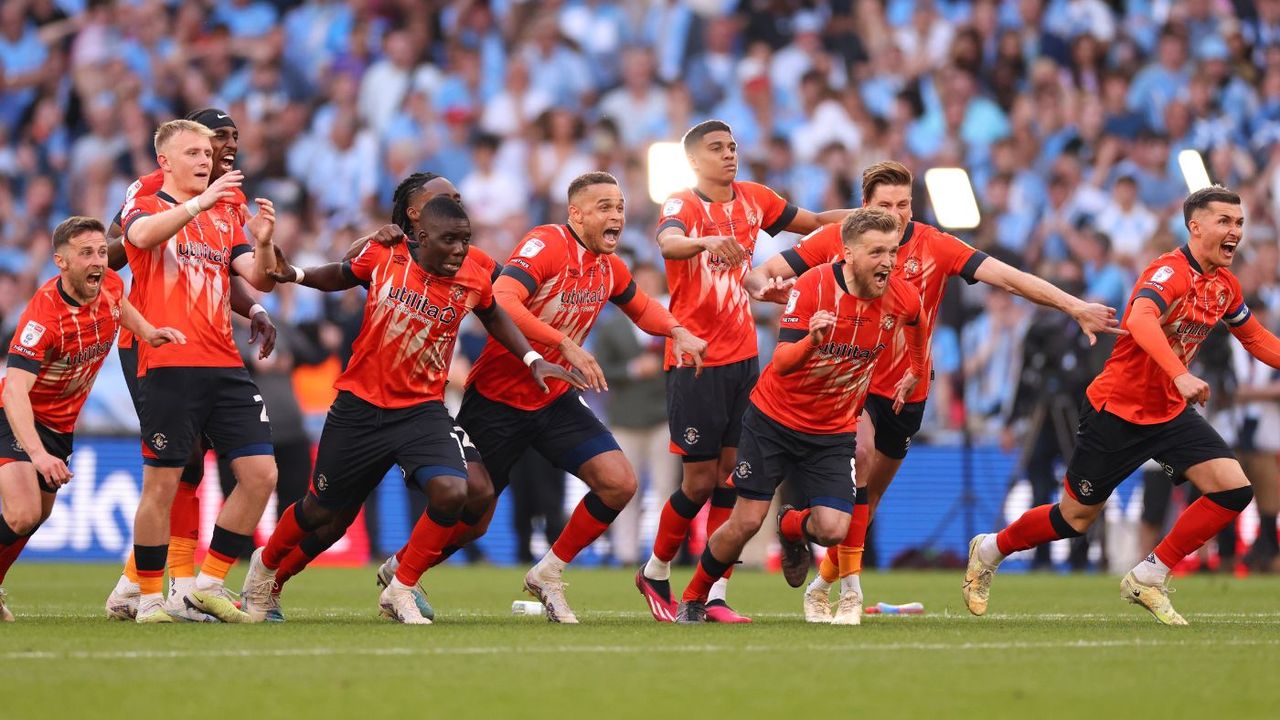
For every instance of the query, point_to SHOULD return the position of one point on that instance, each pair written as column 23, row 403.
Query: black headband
column 212, row 118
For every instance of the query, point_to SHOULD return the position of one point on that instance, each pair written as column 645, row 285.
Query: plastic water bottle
column 912, row 608
column 526, row 607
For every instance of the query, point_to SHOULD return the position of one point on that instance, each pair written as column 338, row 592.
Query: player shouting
column 1139, row 408
column 62, row 339
column 707, row 234
column 554, row 286
column 184, row 516
column 183, row 243
column 390, row 406
column 841, row 320
column 927, row 258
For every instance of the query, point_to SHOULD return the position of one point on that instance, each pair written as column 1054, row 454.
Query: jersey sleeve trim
column 124, row 229
column 22, row 362
column 350, row 274
column 794, row 261
column 627, row 295
column 1239, row 316
column 239, row 250
column 791, row 335
column 970, row 269
column 788, row 214
column 671, row 223
column 1153, row 296
column 522, row 277
column 497, row 273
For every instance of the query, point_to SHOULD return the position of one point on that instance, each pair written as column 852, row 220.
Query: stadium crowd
column 1069, row 116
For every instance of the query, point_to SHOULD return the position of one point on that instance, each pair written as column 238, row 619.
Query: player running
column 1139, row 408
column 183, row 243
column 390, row 406
column 841, row 319
column 61, row 341
column 927, row 258
column 554, row 286
column 707, row 234
column 184, row 517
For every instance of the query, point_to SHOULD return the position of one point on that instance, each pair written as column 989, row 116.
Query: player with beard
column 63, row 337
column 841, row 320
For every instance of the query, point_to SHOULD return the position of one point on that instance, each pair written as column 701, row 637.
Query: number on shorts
column 461, row 452
column 263, row 416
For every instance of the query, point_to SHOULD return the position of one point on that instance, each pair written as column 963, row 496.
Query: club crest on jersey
column 531, row 247
column 1222, row 299
column 159, row 441
column 222, row 225
column 743, row 469
column 672, row 207
column 32, row 333
column 691, row 435
column 752, row 217
column 115, row 312
column 887, row 322
column 911, row 266
column 458, row 293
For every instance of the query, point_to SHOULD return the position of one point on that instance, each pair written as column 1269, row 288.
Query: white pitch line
column 611, row 649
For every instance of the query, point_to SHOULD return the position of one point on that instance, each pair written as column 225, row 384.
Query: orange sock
column 131, row 569
column 216, row 565
column 850, row 560
column 829, row 568
column 182, row 557
column 849, row 552
column 151, row 582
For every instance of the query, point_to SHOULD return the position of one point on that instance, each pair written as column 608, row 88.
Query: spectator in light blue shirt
column 1160, row 81
column 22, row 57
column 245, row 18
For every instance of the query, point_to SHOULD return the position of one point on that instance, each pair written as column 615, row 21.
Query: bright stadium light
column 1193, row 170
column 952, row 196
column 669, row 170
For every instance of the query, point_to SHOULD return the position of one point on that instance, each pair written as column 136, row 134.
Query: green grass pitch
column 1052, row 646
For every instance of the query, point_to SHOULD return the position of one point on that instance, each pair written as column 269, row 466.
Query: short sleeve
column 801, row 304
column 1163, row 282
column 35, row 334
column 823, row 245
column 360, row 268
column 776, row 213
column 957, row 256
column 136, row 208
column 486, row 290
column 239, row 241
column 534, row 261
column 624, row 286
column 676, row 213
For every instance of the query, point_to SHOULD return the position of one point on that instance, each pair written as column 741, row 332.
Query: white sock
column 181, row 586
column 208, row 582
column 851, row 583
column 125, row 586
column 989, row 550
column 146, row 601
column 718, row 590
column 550, row 564
column 1151, row 571
column 820, row 585
column 657, row 569
column 396, row 584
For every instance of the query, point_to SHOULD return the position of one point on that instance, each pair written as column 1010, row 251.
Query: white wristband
column 192, row 206
column 531, row 356
column 256, row 309
column 298, row 271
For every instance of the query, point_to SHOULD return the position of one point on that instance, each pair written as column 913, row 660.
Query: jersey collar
column 1186, row 250
column 577, row 239
column 66, row 297
column 907, row 233
column 838, row 268
column 166, row 197
column 704, row 198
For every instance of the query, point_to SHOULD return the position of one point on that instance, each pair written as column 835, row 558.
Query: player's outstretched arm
column 1093, row 318
column 153, row 230
column 244, row 304
column 17, row 408
column 1143, row 324
column 387, row 235
column 1258, row 340
column 134, row 322
column 806, row 221
column 333, row 277
column 502, row 329
column 651, row 317
column 771, row 281
column 511, row 294
column 676, row 245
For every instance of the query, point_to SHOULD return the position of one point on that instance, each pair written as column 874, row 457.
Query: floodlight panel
column 951, row 194
column 1193, row 170
column 669, row 170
